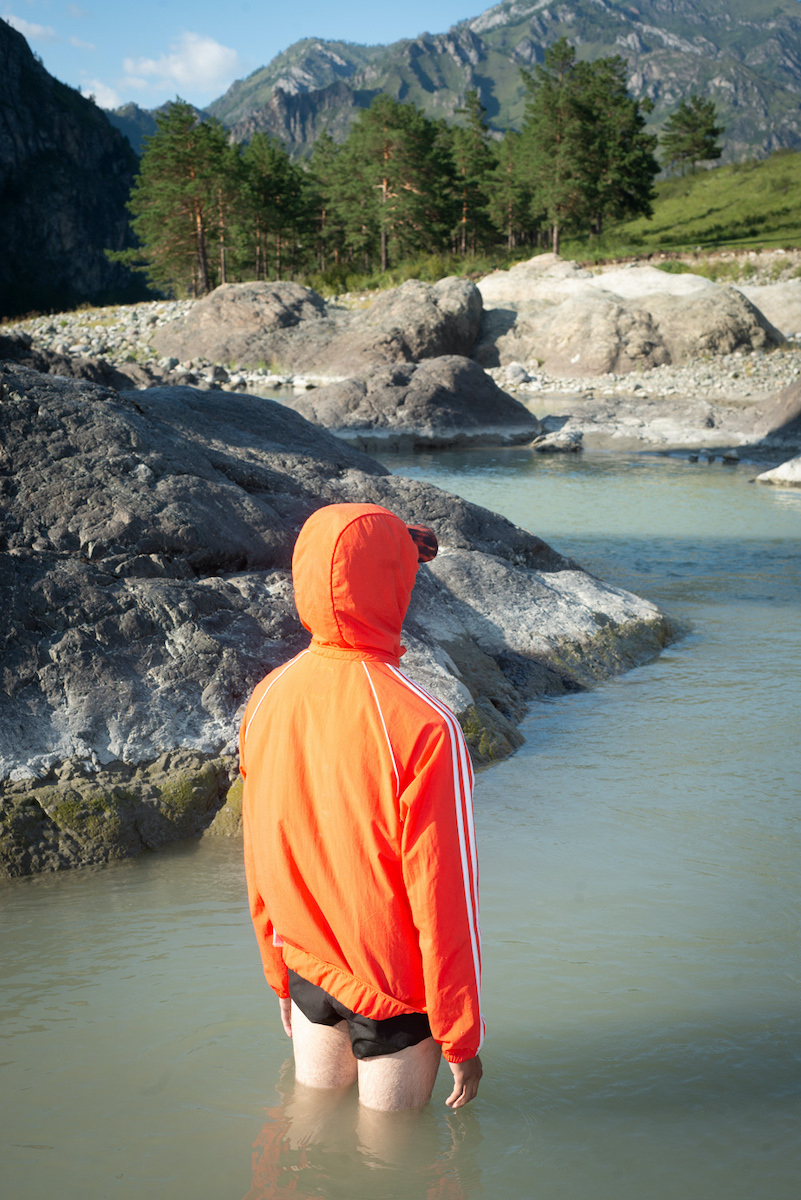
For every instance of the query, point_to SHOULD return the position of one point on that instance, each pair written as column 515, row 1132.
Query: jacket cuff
column 458, row 1056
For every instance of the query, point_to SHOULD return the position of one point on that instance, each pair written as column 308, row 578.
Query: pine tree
column 556, row 140
column 323, row 177
column 352, row 208
column 586, row 152
column 179, row 199
column 275, row 207
column 229, row 187
column 509, row 199
column 473, row 162
column 395, row 182
column 690, row 134
column 621, row 166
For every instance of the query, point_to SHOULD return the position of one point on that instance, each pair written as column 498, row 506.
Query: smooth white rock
column 786, row 475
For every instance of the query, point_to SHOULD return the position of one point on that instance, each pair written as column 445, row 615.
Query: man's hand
column 466, row 1076
column 286, row 1015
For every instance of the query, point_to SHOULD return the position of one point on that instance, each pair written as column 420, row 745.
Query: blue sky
column 150, row 51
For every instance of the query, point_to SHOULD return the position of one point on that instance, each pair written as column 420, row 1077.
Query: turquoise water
column 640, row 884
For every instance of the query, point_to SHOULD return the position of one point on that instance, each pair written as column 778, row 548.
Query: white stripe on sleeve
column 263, row 697
column 462, row 797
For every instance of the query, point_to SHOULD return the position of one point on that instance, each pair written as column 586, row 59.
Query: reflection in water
column 324, row 1143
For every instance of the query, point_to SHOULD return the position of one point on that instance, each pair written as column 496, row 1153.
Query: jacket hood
column 353, row 569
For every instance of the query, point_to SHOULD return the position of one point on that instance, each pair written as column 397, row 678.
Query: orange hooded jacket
column 359, row 843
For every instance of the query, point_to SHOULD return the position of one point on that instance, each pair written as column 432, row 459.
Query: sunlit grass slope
column 748, row 204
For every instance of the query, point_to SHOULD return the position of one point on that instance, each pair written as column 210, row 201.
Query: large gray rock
column 589, row 333
column 292, row 328
column 244, row 324
column 551, row 313
column 145, row 588
column 447, row 401
column 779, row 302
column 715, row 322
column 780, row 421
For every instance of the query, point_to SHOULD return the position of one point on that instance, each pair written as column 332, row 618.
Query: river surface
column 641, row 908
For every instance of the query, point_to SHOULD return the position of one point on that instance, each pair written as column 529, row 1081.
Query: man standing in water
column 359, row 842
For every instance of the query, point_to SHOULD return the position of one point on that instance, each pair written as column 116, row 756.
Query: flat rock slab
column 549, row 277
column 292, row 329
column 609, row 423
column 145, row 588
column 553, row 314
column 443, row 402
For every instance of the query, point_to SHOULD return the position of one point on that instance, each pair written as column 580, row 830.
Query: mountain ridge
column 746, row 55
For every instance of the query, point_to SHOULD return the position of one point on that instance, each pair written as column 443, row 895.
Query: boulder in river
column 145, row 588
column 788, row 474
column 292, row 327
column 446, row 401
column 552, row 313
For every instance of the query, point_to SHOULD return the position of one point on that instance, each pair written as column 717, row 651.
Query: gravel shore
column 123, row 335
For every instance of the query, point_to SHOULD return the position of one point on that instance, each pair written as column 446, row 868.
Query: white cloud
column 76, row 12
column 105, row 97
column 79, row 45
column 31, row 31
column 136, row 82
column 194, row 61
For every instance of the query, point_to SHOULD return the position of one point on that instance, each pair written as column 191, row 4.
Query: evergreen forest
column 403, row 188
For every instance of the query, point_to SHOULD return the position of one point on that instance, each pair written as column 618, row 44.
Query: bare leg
column 392, row 1082
column 323, row 1056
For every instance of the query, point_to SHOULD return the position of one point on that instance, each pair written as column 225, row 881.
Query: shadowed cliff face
column 65, row 175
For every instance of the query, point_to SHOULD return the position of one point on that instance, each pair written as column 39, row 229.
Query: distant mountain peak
column 748, row 62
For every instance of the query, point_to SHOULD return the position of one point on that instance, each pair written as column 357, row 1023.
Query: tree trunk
column 555, row 237
column 384, row 191
column 200, row 253
column 222, row 237
column 322, row 242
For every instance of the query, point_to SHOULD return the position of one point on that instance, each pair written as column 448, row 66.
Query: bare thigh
column 392, row 1082
column 323, row 1054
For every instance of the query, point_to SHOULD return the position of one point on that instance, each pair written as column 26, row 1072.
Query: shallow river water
column 641, row 908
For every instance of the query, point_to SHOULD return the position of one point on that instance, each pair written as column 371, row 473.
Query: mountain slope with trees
column 208, row 210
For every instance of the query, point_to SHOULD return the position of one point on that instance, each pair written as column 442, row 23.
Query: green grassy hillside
column 740, row 205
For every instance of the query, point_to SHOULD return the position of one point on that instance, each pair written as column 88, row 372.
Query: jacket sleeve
column 441, row 877
column 272, row 958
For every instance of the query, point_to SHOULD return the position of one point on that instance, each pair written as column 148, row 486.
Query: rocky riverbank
column 123, row 336
column 667, row 396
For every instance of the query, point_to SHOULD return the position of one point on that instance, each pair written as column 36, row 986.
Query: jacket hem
column 354, row 993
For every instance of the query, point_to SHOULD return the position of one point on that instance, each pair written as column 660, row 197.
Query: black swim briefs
column 368, row 1038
